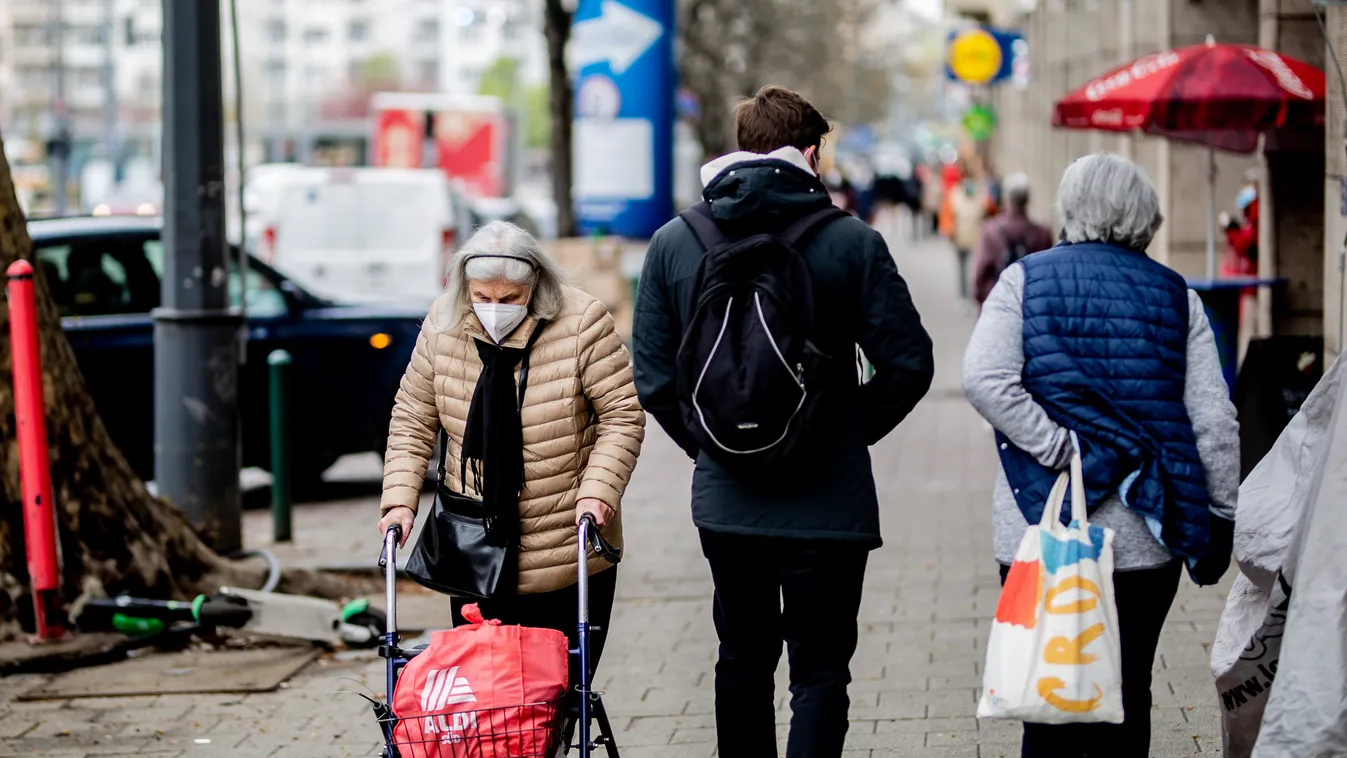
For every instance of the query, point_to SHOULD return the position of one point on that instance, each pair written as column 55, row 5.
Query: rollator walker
column 483, row 732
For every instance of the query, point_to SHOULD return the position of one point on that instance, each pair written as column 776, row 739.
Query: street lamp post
column 196, row 422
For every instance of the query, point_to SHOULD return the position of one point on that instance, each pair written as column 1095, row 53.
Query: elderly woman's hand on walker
column 398, row 516
column 595, row 507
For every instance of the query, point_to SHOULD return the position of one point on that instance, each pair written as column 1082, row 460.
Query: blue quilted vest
column 1105, row 354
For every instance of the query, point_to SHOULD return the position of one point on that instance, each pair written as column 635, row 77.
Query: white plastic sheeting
column 1280, row 654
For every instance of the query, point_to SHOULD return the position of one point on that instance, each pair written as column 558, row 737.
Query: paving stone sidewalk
column 924, row 621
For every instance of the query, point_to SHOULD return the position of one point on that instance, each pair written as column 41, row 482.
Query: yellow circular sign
column 975, row 56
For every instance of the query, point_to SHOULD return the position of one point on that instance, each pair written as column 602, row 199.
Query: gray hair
column 1107, row 198
column 481, row 260
column 1016, row 188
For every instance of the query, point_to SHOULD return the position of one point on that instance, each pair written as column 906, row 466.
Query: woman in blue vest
column 1093, row 336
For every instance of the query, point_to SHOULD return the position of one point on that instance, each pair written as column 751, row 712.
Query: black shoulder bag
column 454, row 555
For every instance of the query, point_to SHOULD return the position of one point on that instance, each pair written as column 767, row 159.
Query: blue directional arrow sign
column 621, row 52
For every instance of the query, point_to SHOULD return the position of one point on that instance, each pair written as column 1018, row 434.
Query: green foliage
column 380, row 71
column 502, row 80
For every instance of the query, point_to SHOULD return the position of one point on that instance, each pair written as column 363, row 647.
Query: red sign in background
column 470, row 147
column 399, row 139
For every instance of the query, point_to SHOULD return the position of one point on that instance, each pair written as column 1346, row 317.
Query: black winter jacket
column 859, row 299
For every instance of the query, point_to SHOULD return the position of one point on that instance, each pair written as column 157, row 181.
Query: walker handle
column 589, row 528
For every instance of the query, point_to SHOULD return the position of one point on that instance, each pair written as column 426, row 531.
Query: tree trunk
column 114, row 536
column 561, row 104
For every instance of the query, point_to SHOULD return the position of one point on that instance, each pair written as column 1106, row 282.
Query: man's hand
column 1223, row 220
column 401, row 516
column 594, row 507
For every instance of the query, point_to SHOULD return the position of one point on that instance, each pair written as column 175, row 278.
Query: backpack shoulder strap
column 703, row 226
column 798, row 233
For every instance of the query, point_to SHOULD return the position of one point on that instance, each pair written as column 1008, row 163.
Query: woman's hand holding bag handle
column 1054, row 655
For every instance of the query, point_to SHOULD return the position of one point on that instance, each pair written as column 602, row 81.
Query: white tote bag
column 1054, row 655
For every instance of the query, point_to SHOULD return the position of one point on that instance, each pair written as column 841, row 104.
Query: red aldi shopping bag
column 484, row 690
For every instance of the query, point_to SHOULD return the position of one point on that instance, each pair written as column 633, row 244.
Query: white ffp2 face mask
column 499, row 319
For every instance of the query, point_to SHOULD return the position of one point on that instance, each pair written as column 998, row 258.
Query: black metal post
column 196, row 420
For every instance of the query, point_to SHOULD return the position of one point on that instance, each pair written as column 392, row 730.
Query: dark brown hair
column 777, row 117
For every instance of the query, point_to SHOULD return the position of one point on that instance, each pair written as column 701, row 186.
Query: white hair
column 503, row 252
column 1107, row 198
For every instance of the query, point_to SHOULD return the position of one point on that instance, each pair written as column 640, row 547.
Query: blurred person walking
column 529, row 389
column 1094, row 337
column 970, row 205
column 786, row 526
column 1007, row 238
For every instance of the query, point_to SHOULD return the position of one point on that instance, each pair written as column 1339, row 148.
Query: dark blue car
column 104, row 275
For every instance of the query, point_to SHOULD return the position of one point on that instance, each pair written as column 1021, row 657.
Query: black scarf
column 493, row 441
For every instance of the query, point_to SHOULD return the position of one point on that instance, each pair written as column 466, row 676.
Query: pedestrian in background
column 1241, row 234
column 565, row 449
column 1007, row 238
column 1094, row 337
column 787, row 548
column 969, row 207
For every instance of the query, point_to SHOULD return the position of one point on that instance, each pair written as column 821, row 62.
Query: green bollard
column 281, row 522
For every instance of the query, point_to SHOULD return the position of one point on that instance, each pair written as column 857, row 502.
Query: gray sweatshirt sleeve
column 1207, row 398
column 993, row 369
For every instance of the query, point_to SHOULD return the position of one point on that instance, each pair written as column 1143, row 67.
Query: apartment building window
column 276, row 30
column 276, row 75
column 34, row 78
column 428, row 71
column 428, row 30
column 358, row 30
column 315, row 35
column 33, row 35
column 86, row 35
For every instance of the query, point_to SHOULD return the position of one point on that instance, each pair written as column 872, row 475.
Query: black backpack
column 752, row 384
column 1016, row 249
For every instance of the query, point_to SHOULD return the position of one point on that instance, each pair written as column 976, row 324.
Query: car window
column 264, row 300
column 99, row 277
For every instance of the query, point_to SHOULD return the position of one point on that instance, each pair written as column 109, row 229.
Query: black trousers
column 558, row 610
column 964, row 256
column 806, row 593
column 1144, row 598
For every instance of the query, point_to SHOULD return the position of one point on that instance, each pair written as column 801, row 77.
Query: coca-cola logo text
column 1140, row 69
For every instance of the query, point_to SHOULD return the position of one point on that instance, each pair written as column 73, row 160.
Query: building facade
column 307, row 67
column 1073, row 41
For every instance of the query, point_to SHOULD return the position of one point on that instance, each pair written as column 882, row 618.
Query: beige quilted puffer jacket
column 583, row 426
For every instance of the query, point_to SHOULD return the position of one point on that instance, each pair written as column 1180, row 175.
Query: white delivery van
column 363, row 235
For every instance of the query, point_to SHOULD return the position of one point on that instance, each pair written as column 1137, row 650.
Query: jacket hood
column 760, row 188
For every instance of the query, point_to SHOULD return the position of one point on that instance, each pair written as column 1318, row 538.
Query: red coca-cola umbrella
column 1219, row 95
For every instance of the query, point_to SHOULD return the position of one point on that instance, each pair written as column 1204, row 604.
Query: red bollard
column 39, row 517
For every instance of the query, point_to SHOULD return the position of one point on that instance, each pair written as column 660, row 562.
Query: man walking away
column 1007, row 238
column 750, row 311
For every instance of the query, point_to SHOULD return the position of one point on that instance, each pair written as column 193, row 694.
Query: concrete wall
column 1291, row 237
column 1335, row 225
